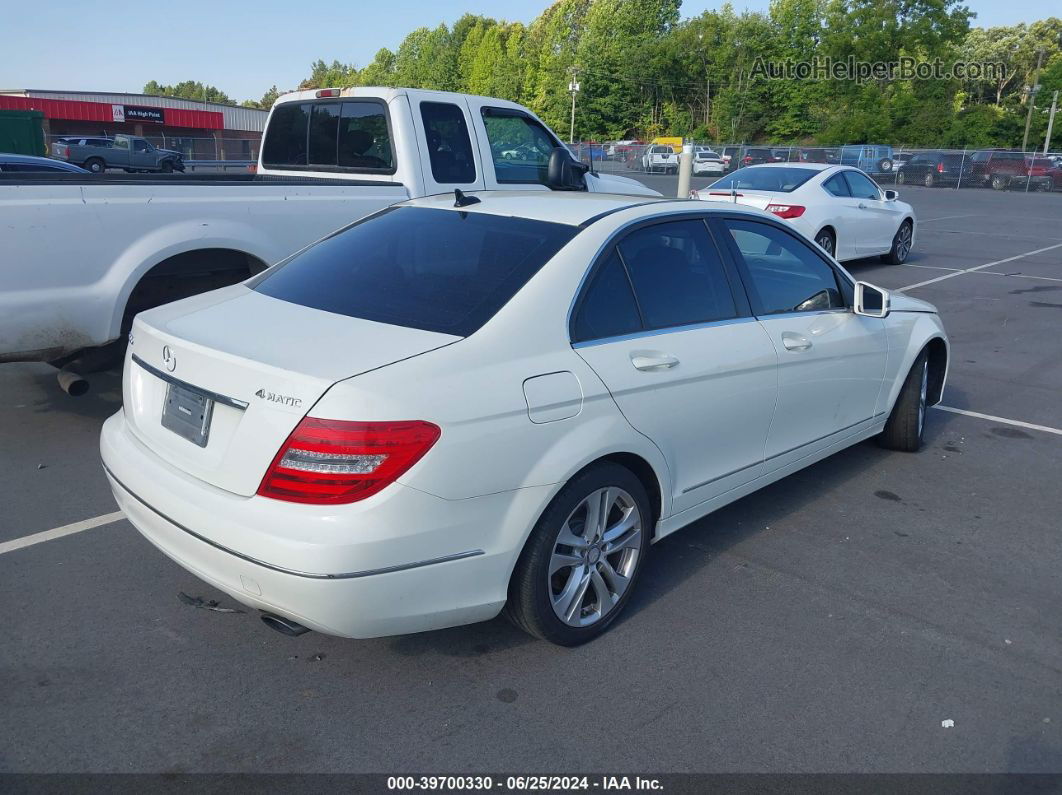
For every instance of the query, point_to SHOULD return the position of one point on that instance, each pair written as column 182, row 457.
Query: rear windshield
column 430, row 269
column 782, row 180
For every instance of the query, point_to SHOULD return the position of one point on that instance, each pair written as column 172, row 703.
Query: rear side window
column 431, row 269
column 608, row 308
column 785, row 274
column 329, row 136
column 837, row 186
column 449, row 147
column 677, row 275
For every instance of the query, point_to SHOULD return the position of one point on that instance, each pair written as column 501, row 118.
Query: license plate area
column 187, row 413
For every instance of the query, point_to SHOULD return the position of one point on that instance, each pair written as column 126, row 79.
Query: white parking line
column 978, row 267
column 945, row 218
column 59, row 532
column 1016, row 423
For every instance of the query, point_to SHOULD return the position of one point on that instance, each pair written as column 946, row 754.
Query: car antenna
column 461, row 200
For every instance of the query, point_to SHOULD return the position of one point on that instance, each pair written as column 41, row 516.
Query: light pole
column 573, row 89
column 1050, row 122
column 1033, row 89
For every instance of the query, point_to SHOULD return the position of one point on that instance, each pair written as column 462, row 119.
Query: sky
column 243, row 48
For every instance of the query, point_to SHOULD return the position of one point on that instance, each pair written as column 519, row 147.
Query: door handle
column 650, row 361
column 795, row 342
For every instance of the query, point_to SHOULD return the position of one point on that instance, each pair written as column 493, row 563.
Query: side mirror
column 891, row 195
column 871, row 301
column 564, row 171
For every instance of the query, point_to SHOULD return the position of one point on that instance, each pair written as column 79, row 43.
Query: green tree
column 188, row 89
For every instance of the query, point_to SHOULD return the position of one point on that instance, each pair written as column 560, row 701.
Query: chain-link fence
column 888, row 165
column 241, row 150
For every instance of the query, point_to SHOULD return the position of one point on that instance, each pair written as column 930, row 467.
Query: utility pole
column 573, row 89
column 1050, row 122
column 1032, row 99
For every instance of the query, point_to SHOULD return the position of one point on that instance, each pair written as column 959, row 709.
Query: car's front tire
column 582, row 559
column 905, row 428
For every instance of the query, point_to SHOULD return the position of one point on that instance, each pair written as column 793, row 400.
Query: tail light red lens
column 327, row 92
column 330, row 462
column 786, row 210
column 940, row 168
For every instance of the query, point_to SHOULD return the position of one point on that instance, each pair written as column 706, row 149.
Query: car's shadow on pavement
column 670, row 564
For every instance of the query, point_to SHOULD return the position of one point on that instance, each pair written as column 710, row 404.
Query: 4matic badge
column 273, row 397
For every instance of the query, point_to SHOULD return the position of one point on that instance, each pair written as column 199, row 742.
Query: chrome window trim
column 668, row 330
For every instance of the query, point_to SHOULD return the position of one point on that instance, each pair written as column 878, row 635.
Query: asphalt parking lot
column 830, row 622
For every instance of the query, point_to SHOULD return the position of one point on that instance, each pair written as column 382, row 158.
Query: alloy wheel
column 922, row 398
column 903, row 242
column 825, row 243
column 595, row 556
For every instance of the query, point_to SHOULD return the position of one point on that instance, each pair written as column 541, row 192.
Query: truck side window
column 520, row 146
column 449, row 147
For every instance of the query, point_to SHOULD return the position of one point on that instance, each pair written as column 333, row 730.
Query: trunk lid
column 264, row 363
column 752, row 198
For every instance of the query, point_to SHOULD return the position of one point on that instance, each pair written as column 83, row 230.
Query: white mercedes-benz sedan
column 839, row 207
column 453, row 407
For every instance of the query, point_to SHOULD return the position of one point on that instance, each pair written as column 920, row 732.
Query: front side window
column 785, row 274
column 861, row 186
column 418, row 267
column 519, row 145
column 140, row 146
column 677, row 275
column 329, row 136
column 449, row 147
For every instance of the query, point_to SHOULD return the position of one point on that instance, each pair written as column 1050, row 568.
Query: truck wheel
column 901, row 178
column 998, row 183
column 930, row 180
column 884, row 166
column 95, row 165
column 167, row 166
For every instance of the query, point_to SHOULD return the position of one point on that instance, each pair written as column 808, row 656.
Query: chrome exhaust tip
column 72, row 383
column 285, row 626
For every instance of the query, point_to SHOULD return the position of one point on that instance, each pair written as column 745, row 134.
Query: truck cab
column 429, row 141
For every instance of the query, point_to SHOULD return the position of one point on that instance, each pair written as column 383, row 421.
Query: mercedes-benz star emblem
column 168, row 358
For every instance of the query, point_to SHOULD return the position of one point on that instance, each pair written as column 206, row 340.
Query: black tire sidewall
column 530, row 607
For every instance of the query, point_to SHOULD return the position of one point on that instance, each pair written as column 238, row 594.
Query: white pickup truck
column 80, row 255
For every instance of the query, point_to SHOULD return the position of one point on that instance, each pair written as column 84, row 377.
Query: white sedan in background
column 705, row 161
column 450, row 408
column 840, row 208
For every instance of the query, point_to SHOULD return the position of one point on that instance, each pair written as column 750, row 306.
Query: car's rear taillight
column 747, row 160
column 940, row 168
column 786, row 210
column 327, row 462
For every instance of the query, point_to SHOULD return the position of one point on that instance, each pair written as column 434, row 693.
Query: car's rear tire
column 95, row 165
column 827, row 241
column 901, row 245
column 930, row 180
column 569, row 593
column 905, row 428
column 901, row 178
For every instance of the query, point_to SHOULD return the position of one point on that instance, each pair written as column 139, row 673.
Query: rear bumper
column 360, row 573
